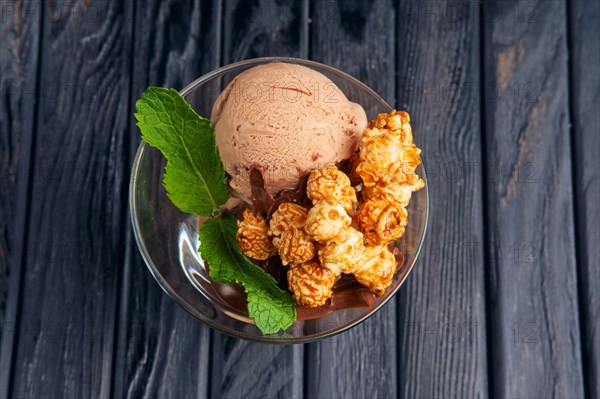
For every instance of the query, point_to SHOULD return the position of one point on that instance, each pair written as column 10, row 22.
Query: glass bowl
column 168, row 238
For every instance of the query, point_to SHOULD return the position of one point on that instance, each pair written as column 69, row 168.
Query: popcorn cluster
column 387, row 162
column 321, row 243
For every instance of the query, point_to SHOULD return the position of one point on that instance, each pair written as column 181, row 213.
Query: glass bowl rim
column 171, row 292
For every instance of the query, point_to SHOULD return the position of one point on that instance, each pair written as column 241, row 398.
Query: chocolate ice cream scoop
column 286, row 119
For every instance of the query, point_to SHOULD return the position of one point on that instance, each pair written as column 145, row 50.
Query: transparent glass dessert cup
column 168, row 238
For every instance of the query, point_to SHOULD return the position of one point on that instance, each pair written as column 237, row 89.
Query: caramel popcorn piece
column 379, row 156
column 399, row 191
column 397, row 122
column 288, row 236
column 288, row 214
column 326, row 219
column 388, row 154
column 382, row 220
column 376, row 269
column 310, row 283
column 383, row 159
column 333, row 182
column 341, row 254
column 252, row 237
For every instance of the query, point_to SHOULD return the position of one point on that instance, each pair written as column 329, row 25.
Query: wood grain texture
column 359, row 363
column 67, row 304
column 242, row 369
column 584, row 26
column 81, row 316
column 533, row 286
column 442, row 349
column 265, row 28
column 19, row 49
column 163, row 351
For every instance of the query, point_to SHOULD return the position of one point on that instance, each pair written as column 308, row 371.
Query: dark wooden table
column 505, row 102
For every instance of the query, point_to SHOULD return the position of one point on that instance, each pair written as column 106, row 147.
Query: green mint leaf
column 271, row 308
column 194, row 179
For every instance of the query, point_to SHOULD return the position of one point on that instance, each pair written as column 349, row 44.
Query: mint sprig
column 271, row 308
column 196, row 183
column 194, row 179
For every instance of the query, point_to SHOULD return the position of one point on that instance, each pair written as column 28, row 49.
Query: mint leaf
column 195, row 179
column 271, row 308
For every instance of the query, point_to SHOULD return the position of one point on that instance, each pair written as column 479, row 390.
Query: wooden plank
column 584, row 27
column 243, row 369
column 163, row 350
column 535, row 349
column 358, row 38
column 19, row 49
column 265, row 28
column 68, row 298
column 442, row 352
